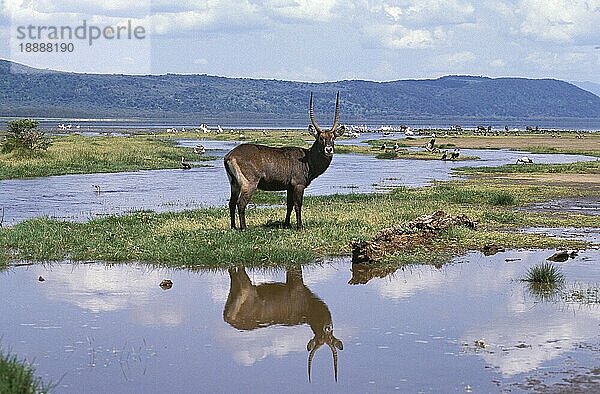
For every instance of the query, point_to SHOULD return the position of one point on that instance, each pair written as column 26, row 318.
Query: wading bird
column 455, row 154
column 524, row 160
column 199, row 149
column 184, row 164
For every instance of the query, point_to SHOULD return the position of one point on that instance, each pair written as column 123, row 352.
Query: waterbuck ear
column 339, row 131
column 313, row 131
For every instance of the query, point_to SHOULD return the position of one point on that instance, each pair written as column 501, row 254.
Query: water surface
column 96, row 328
column 72, row 197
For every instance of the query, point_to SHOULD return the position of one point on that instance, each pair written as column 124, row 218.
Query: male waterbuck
column 251, row 166
column 249, row 307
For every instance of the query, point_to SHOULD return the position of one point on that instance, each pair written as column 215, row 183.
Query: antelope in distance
column 249, row 307
column 251, row 166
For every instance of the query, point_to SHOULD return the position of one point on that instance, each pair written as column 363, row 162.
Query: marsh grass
column 375, row 147
column 77, row 154
column 582, row 294
column 544, row 281
column 588, row 167
column 567, row 143
column 544, row 274
column 17, row 377
column 202, row 237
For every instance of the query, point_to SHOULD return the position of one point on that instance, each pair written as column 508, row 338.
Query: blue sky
column 324, row 40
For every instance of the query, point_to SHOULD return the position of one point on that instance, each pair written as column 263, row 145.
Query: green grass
column 589, row 167
column 202, row 237
column 544, row 281
column 544, row 274
column 18, row 377
column 77, row 154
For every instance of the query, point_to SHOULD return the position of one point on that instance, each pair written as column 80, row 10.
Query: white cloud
column 498, row 63
column 302, row 10
column 458, row 58
column 430, row 12
column 398, row 37
column 558, row 60
column 562, row 21
column 214, row 15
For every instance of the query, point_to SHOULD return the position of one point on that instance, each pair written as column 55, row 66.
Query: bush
column 501, row 198
column 24, row 135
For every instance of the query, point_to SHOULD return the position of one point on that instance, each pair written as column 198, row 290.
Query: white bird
column 524, row 160
column 199, row 149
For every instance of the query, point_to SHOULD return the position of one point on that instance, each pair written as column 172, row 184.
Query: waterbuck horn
column 335, row 359
column 312, row 347
column 311, row 112
column 336, row 117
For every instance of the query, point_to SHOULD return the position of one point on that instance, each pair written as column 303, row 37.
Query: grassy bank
column 590, row 167
column 17, row 377
column 585, row 144
column 202, row 237
column 77, row 154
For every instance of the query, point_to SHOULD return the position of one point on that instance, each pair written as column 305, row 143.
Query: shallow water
column 95, row 328
column 72, row 197
column 583, row 205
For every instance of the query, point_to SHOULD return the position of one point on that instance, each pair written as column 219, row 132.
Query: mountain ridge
column 35, row 92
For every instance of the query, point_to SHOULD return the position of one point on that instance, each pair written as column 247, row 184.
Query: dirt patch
column 400, row 238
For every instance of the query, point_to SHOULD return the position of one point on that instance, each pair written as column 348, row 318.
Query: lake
column 470, row 325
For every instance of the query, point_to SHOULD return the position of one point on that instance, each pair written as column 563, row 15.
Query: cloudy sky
column 323, row 40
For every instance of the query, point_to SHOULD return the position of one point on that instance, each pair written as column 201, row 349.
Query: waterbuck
column 249, row 307
column 251, row 166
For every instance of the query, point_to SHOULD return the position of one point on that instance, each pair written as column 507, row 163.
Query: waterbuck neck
column 317, row 161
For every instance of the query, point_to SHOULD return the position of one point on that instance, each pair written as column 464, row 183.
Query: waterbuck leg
column 235, row 195
column 290, row 207
column 298, row 196
column 243, row 200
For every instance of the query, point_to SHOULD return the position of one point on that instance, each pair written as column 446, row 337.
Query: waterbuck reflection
column 249, row 307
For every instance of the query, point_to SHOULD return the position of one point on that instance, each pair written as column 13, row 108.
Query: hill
column 33, row 92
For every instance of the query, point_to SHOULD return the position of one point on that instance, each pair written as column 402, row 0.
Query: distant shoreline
column 236, row 123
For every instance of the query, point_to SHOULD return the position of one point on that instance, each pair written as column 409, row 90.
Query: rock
column 398, row 238
column 41, row 279
column 166, row 284
column 560, row 257
column 491, row 249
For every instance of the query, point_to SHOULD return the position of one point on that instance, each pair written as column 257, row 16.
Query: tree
column 24, row 135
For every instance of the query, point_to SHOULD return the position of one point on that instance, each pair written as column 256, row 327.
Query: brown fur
column 249, row 307
column 251, row 166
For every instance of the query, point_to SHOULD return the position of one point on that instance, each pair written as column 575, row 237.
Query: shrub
column 24, row 135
